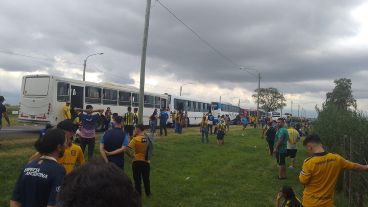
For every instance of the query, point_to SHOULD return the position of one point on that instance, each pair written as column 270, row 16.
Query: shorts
column 280, row 158
column 220, row 135
column 129, row 129
column 245, row 125
column 291, row 153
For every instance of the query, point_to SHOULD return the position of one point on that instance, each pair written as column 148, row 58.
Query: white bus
column 194, row 109
column 219, row 109
column 43, row 98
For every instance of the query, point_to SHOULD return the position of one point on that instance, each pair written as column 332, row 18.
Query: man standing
column 113, row 143
column 163, row 121
column 244, row 122
column 87, row 130
column 280, row 146
column 39, row 182
column 270, row 136
column 320, row 172
column 142, row 146
column 210, row 122
column 66, row 111
column 3, row 112
column 128, row 122
column 291, row 144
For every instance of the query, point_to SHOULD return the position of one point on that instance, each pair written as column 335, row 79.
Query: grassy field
column 185, row 172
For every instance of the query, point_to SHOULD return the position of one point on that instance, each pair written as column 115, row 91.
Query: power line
column 218, row 52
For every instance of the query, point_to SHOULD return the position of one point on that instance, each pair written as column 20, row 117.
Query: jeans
column 153, row 126
column 204, row 135
column 141, row 169
column 210, row 128
column 163, row 127
column 91, row 146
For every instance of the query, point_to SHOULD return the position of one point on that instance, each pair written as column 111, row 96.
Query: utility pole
column 181, row 88
column 239, row 103
column 298, row 110
column 282, row 103
column 259, row 91
column 291, row 109
column 143, row 62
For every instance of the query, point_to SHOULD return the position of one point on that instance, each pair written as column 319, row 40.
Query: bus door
column 77, row 96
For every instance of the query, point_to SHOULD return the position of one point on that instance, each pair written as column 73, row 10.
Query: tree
column 342, row 95
column 270, row 99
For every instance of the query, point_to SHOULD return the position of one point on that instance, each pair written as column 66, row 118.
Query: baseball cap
column 67, row 125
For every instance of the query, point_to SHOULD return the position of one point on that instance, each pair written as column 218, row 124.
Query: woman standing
column 153, row 122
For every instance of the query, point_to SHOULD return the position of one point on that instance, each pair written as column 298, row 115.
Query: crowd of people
column 319, row 172
column 59, row 175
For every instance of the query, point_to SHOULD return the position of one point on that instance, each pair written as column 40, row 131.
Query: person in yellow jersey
column 128, row 122
column 294, row 138
column 320, row 172
column 73, row 154
column 142, row 146
column 66, row 111
column 204, row 129
column 221, row 130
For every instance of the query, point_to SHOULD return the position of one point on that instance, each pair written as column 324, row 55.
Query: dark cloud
column 288, row 41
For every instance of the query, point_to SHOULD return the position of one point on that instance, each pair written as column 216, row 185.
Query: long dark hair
column 289, row 195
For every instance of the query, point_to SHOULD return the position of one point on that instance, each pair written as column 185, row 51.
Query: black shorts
column 220, row 135
column 291, row 153
column 129, row 129
column 280, row 158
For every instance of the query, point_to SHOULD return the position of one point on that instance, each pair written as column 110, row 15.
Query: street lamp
column 85, row 64
column 258, row 75
column 181, row 87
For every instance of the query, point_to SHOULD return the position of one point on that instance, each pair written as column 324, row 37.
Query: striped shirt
column 128, row 119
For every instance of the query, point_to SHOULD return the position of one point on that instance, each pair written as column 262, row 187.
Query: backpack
column 149, row 148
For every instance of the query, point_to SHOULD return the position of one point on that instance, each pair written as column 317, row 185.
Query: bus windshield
column 36, row 86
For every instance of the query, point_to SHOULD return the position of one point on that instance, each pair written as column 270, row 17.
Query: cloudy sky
column 299, row 47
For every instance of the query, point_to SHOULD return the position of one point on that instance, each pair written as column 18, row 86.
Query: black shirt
column 38, row 183
column 270, row 134
column 2, row 110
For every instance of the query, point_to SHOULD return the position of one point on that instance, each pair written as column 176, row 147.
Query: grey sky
column 300, row 47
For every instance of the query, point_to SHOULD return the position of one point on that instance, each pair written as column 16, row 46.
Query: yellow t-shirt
column 72, row 155
column 139, row 145
column 66, row 112
column 319, row 176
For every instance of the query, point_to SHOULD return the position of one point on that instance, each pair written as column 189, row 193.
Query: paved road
column 19, row 131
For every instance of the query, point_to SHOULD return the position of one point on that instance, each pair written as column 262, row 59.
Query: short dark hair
column 312, row 138
column 129, row 108
column 115, row 114
column 50, row 141
column 135, row 109
column 118, row 119
column 140, row 127
column 281, row 119
column 67, row 125
column 112, row 187
column 89, row 107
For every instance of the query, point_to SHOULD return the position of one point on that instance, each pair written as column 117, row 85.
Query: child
column 244, row 121
column 288, row 195
column 220, row 132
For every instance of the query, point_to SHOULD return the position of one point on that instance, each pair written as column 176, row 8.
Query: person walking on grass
column 87, row 130
column 320, row 173
column 113, row 143
column 153, row 121
column 270, row 136
column 244, row 122
column 291, row 144
column 204, row 129
column 3, row 112
column 287, row 198
column 39, row 181
column 164, row 116
column 221, row 128
column 142, row 146
column 128, row 122
column 280, row 147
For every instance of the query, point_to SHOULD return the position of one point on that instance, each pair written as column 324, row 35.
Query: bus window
column 200, row 107
column 124, row 98
column 205, row 107
column 93, row 95
column 110, row 97
column 63, row 92
column 135, row 101
column 36, row 86
column 163, row 103
column 195, row 106
column 149, row 101
column 157, row 102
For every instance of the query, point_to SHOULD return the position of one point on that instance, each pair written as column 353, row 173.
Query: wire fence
column 345, row 133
